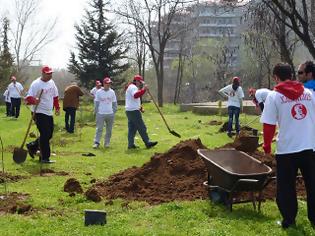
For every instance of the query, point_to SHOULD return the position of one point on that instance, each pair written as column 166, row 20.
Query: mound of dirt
column 72, row 185
column 6, row 177
column 14, row 203
column 177, row 174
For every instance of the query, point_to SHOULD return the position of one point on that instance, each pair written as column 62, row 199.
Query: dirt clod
column 72, row 186
column 93, row 195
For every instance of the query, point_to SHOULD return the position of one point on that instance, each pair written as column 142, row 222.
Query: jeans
column 108, row 119
column 70, row 113
column 45, row 125
column 287, row 169
column 135, row 123
column 8, row 108
column 15, row 107
column 234, row 111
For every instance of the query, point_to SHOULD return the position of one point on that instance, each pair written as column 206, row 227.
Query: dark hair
column 309, row 67
column 283, row 71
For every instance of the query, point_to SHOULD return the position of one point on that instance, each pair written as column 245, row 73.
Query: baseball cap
column 107, row 80
column 236, row 79
column 138, row 78
column 97, row 82
column 47, row 70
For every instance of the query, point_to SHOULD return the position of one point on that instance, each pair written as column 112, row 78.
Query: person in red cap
column 235, row 95
column 133, row 106
column 15, row 90
column 105, row 109
column 44, row 112
column 98, row 85
column 71, row 99
column 259, row 96
column 292, row 108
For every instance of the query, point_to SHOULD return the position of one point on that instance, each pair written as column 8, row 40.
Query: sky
column 68, row 12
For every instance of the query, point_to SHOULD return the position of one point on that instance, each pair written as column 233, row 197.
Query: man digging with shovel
column 44, row 113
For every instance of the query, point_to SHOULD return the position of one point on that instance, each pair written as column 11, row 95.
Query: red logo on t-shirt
column 298, row 111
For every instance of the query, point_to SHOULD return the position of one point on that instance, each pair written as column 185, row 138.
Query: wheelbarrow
column 230, row 172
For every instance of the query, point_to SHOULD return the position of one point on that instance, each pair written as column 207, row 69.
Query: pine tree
column 100, row 47
column 6, row 58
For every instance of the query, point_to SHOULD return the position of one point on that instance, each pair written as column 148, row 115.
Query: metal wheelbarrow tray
column 231, row 171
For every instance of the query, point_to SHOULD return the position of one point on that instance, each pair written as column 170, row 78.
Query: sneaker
column 285, row 224
column 48, row 161
column 96, row 145
column 133, row 147
column 151, row 144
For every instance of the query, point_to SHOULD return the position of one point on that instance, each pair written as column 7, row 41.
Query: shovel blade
column 19, row 155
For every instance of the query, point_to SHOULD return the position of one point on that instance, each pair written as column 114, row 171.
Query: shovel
column 157, row 107
column 19, row 154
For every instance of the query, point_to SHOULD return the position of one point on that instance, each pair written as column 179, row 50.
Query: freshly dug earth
column 50, row 172
column 177, row 174
column 72, row 185
column 14, row 203
column 215, row 122
column 6, row 177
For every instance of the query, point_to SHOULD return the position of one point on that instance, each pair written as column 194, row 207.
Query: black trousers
column 70, row 113
column 15, row 106
column 45, row 125
column 287, row 170
column 8, row 108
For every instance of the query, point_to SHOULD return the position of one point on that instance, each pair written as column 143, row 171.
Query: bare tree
column 30, row 33
column 155, row 18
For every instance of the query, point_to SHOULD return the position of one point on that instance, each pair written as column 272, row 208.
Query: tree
column 6, row 58
column 101, row 50
column 155, row 19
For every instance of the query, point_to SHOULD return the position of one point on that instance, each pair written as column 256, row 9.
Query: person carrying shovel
column 45, row 86
column 292, row 107
column 133, row 106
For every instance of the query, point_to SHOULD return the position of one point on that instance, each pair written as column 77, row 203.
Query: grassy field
column 56, row 213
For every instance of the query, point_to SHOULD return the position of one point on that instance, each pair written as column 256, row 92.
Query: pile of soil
column 72, row 185
column 177, row 174
column 14, row 203
column 6, row 177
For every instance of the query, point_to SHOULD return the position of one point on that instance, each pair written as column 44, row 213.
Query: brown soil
column 177, row 174
column 14, row 203
column 50, row 172
column 215, row 122
column 72, row 186
column 6, row 177
column 224, row 127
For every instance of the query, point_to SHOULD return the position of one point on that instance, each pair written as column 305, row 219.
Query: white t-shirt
column 94, row 90
column 296, row 121
column 106, row 99
column 15, row 89
column 132, row 104
column 234, row 97
column 261, row 95
column 7, row 96
column 47, row 99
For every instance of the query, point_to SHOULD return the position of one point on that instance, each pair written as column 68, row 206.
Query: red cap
column 97, row 82
column 47, row 70
column 138, row 78
column 236, row 79
column 107, row 80
column 251, row 92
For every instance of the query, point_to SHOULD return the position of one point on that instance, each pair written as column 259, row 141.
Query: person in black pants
column 15, row 90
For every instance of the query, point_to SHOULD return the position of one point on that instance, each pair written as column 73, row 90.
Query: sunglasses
column 300, row 72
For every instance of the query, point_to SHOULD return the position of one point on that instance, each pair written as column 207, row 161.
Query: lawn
column 56, row 213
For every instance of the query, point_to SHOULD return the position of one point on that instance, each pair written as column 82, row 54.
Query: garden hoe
column 19, row 154
column 157, row 107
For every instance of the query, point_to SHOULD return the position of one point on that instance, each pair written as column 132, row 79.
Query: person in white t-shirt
column 7, row 100
column 105, row 109
column 133, row 106
column 292, row 107
column 15, row 90
column 235, row 95
column 44, row 112
column 259, row 96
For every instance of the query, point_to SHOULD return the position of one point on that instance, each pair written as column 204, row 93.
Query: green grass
column 58, row 214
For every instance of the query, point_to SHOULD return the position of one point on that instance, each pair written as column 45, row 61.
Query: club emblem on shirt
column 298, row 111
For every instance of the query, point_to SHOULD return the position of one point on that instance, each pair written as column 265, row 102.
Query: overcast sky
column 68, row 12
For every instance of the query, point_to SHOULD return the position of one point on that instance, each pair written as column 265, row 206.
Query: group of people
column 290, row 106
column 12, row 97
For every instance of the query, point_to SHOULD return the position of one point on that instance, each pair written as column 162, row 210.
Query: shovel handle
column 31, row 120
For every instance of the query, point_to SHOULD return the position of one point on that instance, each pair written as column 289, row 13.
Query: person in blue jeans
column 235, row 95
